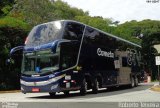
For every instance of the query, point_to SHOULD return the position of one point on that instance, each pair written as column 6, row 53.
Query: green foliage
column 9, row 38
column 65, row 11
column 127, row 31
column 6, row 9
column 36, row 11
column 97, row 22
column 133, row 29
column 12, row 33
column 5, row 6
column 13, row 22
column 149, row 52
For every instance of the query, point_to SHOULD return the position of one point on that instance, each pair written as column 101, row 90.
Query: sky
column 120, row 10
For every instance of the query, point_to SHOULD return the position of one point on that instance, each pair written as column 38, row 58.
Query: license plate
column 35, row 89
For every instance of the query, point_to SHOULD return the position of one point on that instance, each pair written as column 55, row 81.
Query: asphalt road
column 113, row 98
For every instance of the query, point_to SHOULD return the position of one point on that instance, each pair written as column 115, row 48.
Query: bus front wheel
column 52, row 94
column 84, row 86
column 95, row 86
column 136, row 81
column 132, row 82
column 66, row 93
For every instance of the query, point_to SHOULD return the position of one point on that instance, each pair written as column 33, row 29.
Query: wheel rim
column 85, row 86
column 97, row 85
column 136, row 81
column 133, row 82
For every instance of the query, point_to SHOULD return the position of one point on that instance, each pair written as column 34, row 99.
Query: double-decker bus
column 65, row 55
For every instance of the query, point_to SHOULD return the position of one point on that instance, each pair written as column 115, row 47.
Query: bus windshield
column 41, row 62
column 44, row 33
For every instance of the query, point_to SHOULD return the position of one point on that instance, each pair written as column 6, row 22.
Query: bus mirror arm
column 13, row 50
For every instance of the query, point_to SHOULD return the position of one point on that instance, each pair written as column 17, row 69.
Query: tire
column 52, row 94
column 136, row 82
column 95, row 86
column 66, row 93
column 132, row 82
column 84, row 86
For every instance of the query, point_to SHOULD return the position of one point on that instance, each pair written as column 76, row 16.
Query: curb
column 156, row 88
column 10, row 91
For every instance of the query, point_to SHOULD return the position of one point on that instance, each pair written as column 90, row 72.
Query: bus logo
column 105, row 53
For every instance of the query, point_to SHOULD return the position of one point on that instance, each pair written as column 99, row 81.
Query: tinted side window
column 73, row 31
column 98, row 38
column 124, row 62
column 91, row 35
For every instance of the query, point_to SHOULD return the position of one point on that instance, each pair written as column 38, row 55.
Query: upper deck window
column 44, row 33
column 73, row 31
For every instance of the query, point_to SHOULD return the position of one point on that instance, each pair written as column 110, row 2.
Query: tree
column 97, row 22
column 65, row 11
column 34, row 11
column 149, row 52
column 5, row 6
column 40, row 11
column 12, row 33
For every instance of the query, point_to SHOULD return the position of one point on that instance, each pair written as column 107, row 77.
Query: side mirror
column 13, row 50
column 9, row 61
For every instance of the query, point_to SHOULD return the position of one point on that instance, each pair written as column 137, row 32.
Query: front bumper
column 47, row 88
column 48, row 83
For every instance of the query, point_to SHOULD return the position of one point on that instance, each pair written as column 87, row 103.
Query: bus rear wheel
column 136, row 81
column 95, row 86
column 132, row 82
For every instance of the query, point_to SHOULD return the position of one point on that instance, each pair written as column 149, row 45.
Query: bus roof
column 108, row 34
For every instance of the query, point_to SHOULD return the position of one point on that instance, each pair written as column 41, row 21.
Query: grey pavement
column 137, row 94
column 113, row 98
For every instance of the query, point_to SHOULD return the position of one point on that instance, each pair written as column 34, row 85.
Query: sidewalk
column 156, row 87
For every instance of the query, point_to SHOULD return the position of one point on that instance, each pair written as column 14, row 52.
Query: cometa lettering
column 105, row 53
